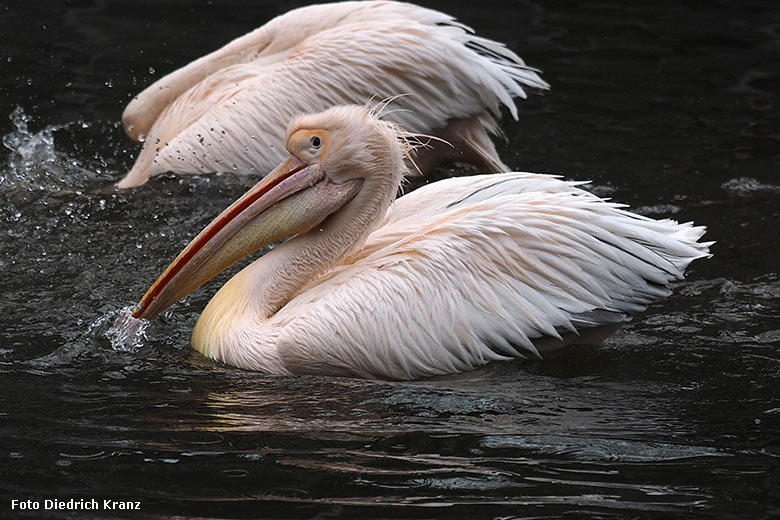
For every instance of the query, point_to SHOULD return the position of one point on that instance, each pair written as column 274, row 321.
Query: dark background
column 671, row 107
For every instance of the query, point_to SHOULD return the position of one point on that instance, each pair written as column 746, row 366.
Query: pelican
column 227, row 111
column 450, row 277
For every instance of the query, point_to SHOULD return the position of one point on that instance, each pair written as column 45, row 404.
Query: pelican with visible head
column 227, row 111
column 455, row 275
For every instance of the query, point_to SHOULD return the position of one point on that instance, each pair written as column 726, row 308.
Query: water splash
column 122, row 331
column 34, row 160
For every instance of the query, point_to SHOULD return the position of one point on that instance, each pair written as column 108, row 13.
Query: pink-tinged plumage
column 450, row 277
column 227, row 111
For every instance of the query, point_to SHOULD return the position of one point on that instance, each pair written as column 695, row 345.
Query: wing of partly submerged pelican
column 235, row 118
column 472, row 270
column 271, row 42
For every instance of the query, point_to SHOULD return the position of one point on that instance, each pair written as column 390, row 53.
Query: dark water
column 673, row 108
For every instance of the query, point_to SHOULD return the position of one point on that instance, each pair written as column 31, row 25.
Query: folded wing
column 471, row 270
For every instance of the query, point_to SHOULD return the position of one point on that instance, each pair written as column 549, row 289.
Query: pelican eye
column 316, row 142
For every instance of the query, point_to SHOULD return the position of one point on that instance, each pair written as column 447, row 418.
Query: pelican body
column 450, row 277
column 227, row 111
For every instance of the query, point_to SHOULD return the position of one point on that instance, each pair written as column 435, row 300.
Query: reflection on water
column 671, row 108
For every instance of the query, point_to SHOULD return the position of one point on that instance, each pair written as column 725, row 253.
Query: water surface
column 672, row 108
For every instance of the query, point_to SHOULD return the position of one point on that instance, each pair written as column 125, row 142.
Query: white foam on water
column 750, row 187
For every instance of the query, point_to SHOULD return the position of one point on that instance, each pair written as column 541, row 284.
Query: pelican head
column 337, row 158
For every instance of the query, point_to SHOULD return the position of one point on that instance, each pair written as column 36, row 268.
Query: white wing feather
column 500, row 262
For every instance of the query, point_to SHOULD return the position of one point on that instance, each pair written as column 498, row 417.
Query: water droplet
column 151, row 70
